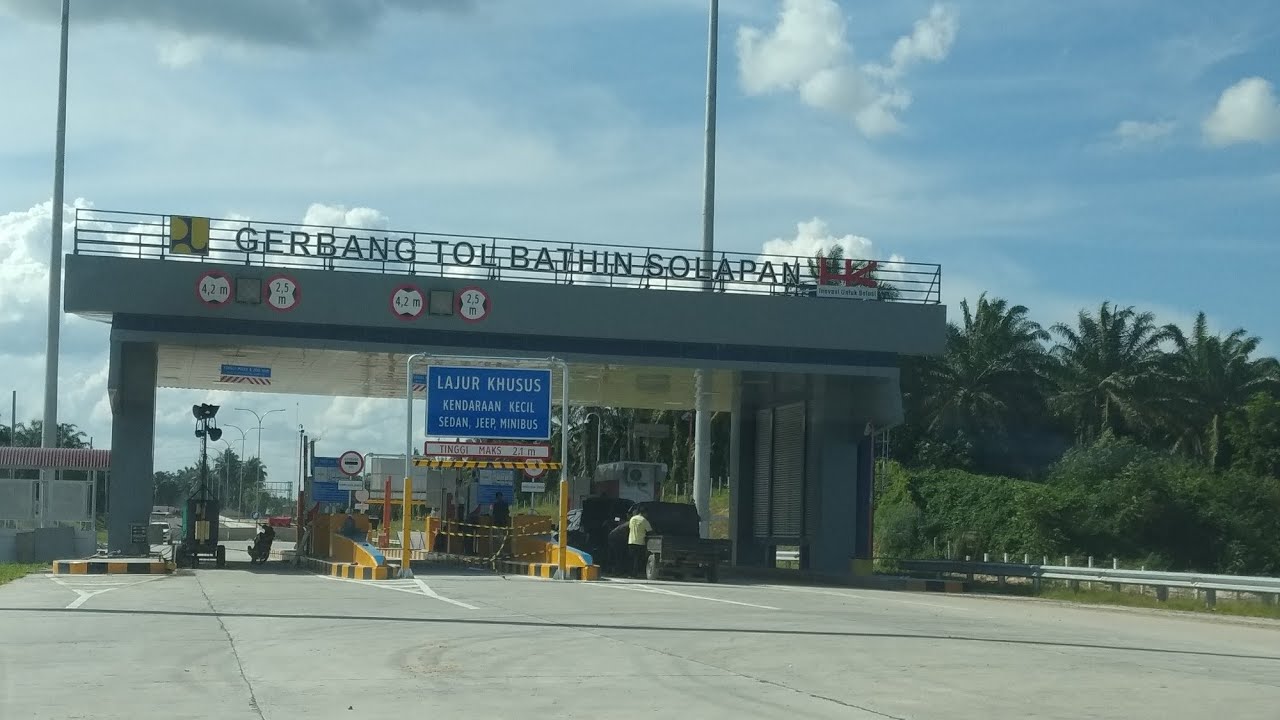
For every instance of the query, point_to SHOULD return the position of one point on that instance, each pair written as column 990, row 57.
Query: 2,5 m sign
column 488, row 403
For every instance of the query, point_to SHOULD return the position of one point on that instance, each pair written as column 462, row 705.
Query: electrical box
column 634, row 481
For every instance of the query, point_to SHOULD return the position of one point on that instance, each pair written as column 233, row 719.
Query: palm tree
column 1108, row 367
column 990, row 376
column 1210, row 376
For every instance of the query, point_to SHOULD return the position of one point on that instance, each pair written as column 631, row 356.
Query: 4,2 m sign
column 488, row 403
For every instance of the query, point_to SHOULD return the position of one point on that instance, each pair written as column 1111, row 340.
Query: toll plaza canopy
column 226, row 304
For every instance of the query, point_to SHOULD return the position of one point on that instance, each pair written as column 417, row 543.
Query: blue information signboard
column 249, row 371
column 488, row 403
column 328, row 492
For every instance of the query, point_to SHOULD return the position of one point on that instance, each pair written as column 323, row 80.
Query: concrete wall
column 528, row 317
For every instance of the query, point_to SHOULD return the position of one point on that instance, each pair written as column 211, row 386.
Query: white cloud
column 815, row 236
column 808, row 52
column 341, row 216
column 1246, row 112
column 930, row 41
column 1131, row 133
column 179, row 51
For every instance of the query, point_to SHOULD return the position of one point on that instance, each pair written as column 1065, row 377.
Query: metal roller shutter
column 787, row 503
column 763, row 475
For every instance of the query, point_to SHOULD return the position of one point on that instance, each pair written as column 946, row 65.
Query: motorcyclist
column 262, row 543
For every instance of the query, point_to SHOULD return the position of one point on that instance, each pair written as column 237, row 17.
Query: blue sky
column 1058, row 154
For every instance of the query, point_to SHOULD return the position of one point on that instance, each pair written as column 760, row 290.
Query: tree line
column 242, row 485
column 1112, row 436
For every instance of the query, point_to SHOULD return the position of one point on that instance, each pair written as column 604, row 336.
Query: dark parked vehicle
column 589, row 529
column 676, row 548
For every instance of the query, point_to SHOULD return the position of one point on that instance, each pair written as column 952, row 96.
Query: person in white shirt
column 638, row 529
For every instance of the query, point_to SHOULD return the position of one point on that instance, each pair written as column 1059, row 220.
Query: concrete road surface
column 246, row 644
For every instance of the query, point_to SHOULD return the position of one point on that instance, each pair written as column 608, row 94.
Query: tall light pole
column 240, row 471
column 49, row 434
column 260, row 418
column 702, row 376
column 226, row 470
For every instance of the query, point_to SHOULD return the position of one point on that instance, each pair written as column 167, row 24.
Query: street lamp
column 702, row 375
column 259, row 418
column 226, row 471
column 49, row 433
column 240, row 472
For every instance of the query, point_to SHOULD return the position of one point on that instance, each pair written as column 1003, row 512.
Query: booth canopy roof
column 303, row 371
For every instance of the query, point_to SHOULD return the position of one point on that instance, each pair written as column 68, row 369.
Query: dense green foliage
column 1111, row 437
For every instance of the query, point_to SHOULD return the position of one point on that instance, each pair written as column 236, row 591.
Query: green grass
column 1249, row 607
column 12, row 571
column 1241, row 608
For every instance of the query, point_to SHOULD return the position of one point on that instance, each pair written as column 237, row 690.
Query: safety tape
column 496, row 464
column 533, row 533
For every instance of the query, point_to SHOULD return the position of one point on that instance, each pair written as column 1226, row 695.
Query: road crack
column 552, row 622
column 253, row 699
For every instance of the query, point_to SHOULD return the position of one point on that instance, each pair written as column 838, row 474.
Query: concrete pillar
column 702, row 449
column 131, row 385
column 735, row 465
column 747, row 550
column 835, row 433
column 864, row 495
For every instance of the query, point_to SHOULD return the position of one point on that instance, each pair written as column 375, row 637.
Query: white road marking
column 664, row 591
column 856, row 596
column 413, row 586
column 433, row 594
column 100, row 585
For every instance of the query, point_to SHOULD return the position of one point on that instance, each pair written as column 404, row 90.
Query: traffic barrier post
column 564, row 524
column 406, row 545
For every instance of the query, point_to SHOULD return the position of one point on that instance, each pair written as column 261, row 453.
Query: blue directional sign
column 246, row 371
column 489, row 403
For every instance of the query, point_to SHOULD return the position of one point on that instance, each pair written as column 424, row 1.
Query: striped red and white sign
column 245, row 380
column 419, row 387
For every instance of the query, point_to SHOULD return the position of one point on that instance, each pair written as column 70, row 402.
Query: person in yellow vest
column 638, row 529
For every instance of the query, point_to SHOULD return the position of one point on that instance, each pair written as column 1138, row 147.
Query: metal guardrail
column 1267, row 587
column 385, row 251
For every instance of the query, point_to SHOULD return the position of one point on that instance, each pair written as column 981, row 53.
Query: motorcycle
column 260, row 548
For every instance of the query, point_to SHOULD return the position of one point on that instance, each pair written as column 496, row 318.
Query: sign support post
column 562, row 566
column 564, row 472
column 406, row 544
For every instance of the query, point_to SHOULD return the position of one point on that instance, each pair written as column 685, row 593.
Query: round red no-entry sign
column 351, row 463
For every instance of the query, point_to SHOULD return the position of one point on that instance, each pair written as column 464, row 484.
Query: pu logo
column 188, row 235
column 850, row 277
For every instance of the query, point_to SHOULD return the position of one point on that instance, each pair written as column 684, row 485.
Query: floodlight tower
column 201, row 517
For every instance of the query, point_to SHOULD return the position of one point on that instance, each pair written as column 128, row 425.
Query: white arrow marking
column 104, row 587
column 433, row 594
column 664, row 591
column 412, row 586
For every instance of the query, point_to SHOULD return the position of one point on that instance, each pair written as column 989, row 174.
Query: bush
column 1113, row 498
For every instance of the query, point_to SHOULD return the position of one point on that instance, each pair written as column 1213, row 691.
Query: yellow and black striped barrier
column 350, row 571
column 485, row 464
column 112, row 567
column 547, row 570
